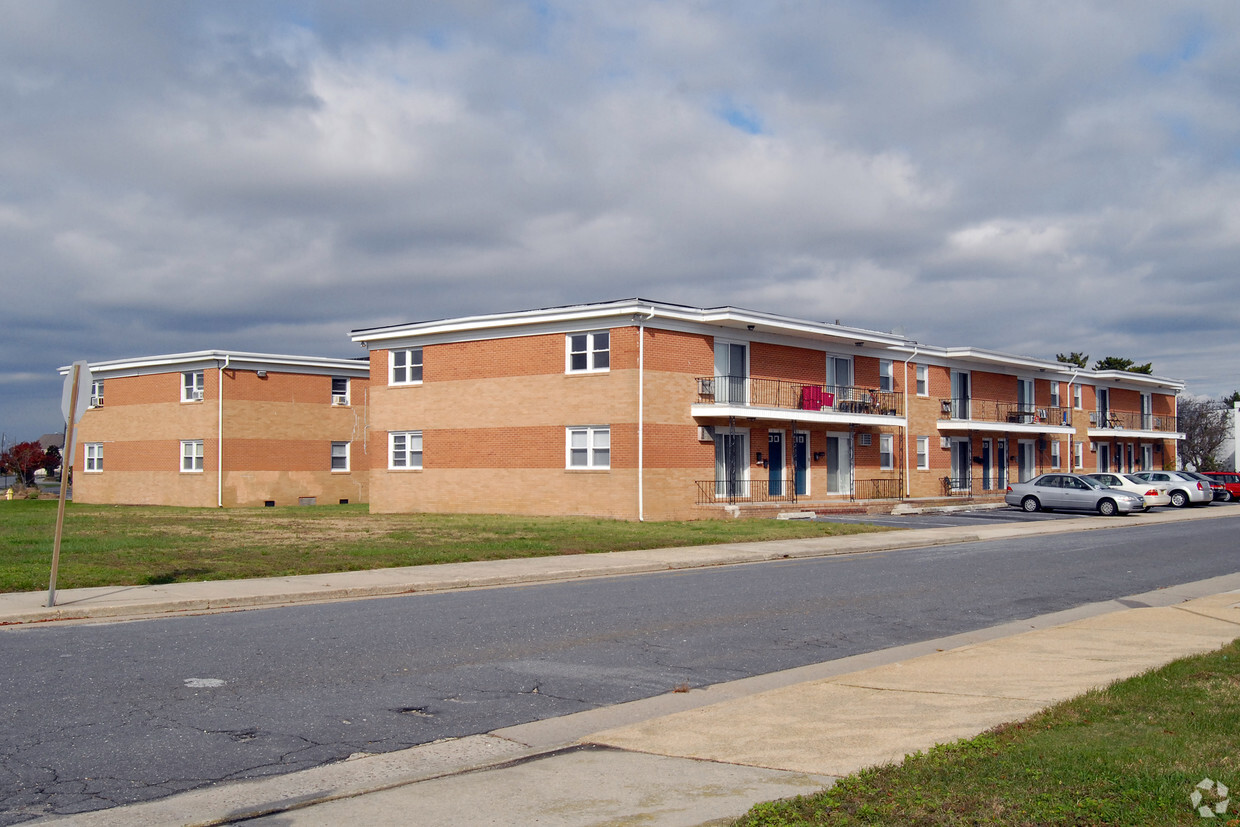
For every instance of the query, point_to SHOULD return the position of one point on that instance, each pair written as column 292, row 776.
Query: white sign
column 83, row 397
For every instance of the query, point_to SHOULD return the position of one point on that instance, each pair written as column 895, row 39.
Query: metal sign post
column 72, row 406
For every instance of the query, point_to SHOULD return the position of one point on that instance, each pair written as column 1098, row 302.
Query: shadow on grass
column 174, row 576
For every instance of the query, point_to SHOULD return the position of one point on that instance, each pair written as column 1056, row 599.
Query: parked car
column 1153, row 493
column 1184, row 490
column 1071, row 491
column 1221, row 494
column 1229, row 479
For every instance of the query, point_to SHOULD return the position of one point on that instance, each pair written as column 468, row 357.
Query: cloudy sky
column 1033, row 177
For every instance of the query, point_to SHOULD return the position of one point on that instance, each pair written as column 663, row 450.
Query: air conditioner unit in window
column 339, row 399
column 706, row 433
column 1093, row 447
column 945, row 442
column 197, row 396
column 864, row 439
column 96, row 401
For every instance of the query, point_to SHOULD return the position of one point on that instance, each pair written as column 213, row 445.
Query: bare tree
column 1206, row 425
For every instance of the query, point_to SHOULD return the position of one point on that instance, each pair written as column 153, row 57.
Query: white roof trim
column 236, row 359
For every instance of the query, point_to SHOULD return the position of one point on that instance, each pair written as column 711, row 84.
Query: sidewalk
column 698, row 757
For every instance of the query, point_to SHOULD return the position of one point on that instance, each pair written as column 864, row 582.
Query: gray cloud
column 1033, row 178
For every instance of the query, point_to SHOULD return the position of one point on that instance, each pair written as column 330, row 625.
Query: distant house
column 646, row 410
column 223, row 428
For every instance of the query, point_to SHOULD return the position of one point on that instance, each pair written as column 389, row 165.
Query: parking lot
column 982, row 516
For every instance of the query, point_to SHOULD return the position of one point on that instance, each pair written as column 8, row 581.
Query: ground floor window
column 886, row 452
column 191, row 455
column 340, row 456
column 94, row 456
column 923, row 453
column 588, row 446
column 404, row 450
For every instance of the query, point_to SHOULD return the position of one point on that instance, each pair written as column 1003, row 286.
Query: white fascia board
column 954, row 425
column 1121, row 377
column 1059, row 371
column 204, row 359
column 586, row 317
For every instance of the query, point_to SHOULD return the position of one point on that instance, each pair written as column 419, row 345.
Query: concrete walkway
column 691, row 758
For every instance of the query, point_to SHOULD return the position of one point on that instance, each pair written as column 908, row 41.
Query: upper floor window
column 406, row 367
column 1076, row 397
column 589, row 352
column 1054, row 394
column 405, row 449
column 589, row 447
column 94, row 456
column 923, row 380
column 886, row 375
column 340, row 390
column 839, row 371
column 193, row 384
column 96, row 393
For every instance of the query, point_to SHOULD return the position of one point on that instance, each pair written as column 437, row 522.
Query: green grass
column 134, row 545
column 1130, row 754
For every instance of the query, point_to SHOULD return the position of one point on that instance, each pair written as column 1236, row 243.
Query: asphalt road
column 100, row 715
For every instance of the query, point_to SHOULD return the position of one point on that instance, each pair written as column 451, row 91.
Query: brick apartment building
column 644, row 410
column 222, row 428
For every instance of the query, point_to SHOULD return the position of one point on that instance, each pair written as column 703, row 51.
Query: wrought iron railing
column 778, row 393
column 983, row 485
column 745, row 491
column 995, row 410
column 888, row 488
column 1132, row 421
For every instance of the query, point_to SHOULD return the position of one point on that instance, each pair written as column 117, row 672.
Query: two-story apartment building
column 223, row 428
column 645, row 410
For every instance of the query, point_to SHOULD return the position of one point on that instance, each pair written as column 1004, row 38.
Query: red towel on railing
column 811, row 398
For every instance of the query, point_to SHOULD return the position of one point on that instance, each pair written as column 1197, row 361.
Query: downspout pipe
column 1071, row 400
column 219, row 438
column 641, row 415
column 908, row 483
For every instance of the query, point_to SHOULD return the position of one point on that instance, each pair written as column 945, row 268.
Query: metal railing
column 778, row 393
column 995, row 410
column 711, row 492
column 973, row 486
column 887, row 488
column 1132, row 421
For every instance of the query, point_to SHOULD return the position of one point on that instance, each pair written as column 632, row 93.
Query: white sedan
column 1154, row 493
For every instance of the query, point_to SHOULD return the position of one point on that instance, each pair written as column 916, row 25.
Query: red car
column 1230, row 481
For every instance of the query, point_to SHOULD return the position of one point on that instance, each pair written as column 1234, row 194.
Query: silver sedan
column 1071, row 492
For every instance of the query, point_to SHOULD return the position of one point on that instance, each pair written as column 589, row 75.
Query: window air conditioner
column 96, row 401
column 945, row 442
column 339, row 399
column 197, row 396
column 706, row 433
column 1093, row 447
column 864, row 440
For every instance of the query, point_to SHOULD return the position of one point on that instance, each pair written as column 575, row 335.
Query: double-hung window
column 588, row 352
column 923, row 453
column 886, row 452
column 191, row 456
column 1080, row 455
column 340, row 456
column 96, row 393
column 923, row 380
column 404, row 450
column 1076, row 397
column 1054, row 394
column 886, row 375
column 340, row 390
column 94, row 456
column 1055, row 454
column 405, row 366
column 192, row 385
column 588, row 446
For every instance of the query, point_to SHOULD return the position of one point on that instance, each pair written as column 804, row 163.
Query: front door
column 839, row 464
column 962, row 465
column 731, row 466
column 800, row 461
column 986, row 466
column 1104, row 456
column 775, row 463
column 1001, row 464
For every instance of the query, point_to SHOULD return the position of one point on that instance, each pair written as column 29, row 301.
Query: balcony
column 1004, row 415
column 826, row 403
column 1131, row 421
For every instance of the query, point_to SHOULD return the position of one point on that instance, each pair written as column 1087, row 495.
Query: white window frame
column 193, row 385
column 886, row 375
column 92, row 457
column 1077, row 396
column 923, row 453
column 589, row 442
column 413, row 363
column 344, row 446
column 1080, row 455
column 1054, row 394
column 192, row 453
column 341, row 398
column 96, row 393
column 923, row 380
column 402, row 453
column 1055, row 454
column 886, row 452
column 592, row 347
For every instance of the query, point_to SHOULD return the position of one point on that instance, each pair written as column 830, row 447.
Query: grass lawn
column 106, row 545
column 1130, row 754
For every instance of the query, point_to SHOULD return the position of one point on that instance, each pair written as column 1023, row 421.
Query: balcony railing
column 711, row 492
column 1132, row 421
column 994, row 410
column 778, row 393
column 972, row 486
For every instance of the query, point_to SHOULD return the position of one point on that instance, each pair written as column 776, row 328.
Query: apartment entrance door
column 775, row 463
column 1026, row 466
column 800, row 463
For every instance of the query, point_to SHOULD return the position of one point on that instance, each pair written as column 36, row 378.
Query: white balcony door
column 731, row 464
column 960, row 394
column 839, row 464
column 731, row 372
column 1026, row 466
